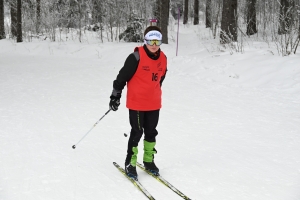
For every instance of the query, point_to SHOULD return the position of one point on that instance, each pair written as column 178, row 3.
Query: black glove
column 114, row 103
column 115, row 99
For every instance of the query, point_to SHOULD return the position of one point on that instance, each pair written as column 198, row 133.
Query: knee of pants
column 134, row 138
column 150, row 136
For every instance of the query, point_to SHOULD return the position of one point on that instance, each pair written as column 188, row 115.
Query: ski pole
column 74, row 146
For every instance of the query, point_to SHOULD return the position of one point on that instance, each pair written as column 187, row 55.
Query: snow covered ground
column 229, row 127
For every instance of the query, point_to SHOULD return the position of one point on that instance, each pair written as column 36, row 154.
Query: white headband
column 153, row 35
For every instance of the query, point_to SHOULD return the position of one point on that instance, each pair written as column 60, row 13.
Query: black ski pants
column 141, row 122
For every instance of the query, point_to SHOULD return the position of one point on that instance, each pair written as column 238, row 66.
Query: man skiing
column 144, row 71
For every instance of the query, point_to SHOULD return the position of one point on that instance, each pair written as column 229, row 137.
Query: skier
column 144, row 71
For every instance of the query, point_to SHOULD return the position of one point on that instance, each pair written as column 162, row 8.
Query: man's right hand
column 114, row 103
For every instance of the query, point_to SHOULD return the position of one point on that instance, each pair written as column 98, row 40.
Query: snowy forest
column 231, row 21
column 230, row 118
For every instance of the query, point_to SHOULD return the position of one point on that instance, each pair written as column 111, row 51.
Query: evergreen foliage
column 134, row 30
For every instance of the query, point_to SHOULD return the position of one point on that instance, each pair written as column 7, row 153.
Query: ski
column 135, row 182
column 164, row 181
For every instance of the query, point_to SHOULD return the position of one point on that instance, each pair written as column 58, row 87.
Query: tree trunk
column 19, row 21
column 208, row 14
column 13, row 16
column 186, row 11
column 196, row 12
column 214, row 29
column 157, row 12
column 97, row 16
column 284, row 17
column 229, row 22
column 251, row 17
column 2, row 29
column 165, row 4
column 38, row 16
column 80, row 17
column 168, row 12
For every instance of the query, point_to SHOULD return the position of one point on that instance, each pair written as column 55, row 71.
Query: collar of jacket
column 153, row 56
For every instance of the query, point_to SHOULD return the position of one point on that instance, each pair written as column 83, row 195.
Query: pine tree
column 134, row 31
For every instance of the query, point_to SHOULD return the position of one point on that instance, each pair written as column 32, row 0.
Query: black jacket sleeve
column 164, row 76
column 126, row 72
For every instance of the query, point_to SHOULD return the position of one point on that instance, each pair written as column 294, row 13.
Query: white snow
column 228, row 130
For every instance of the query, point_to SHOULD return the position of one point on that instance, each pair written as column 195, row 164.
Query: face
column 153, row 48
